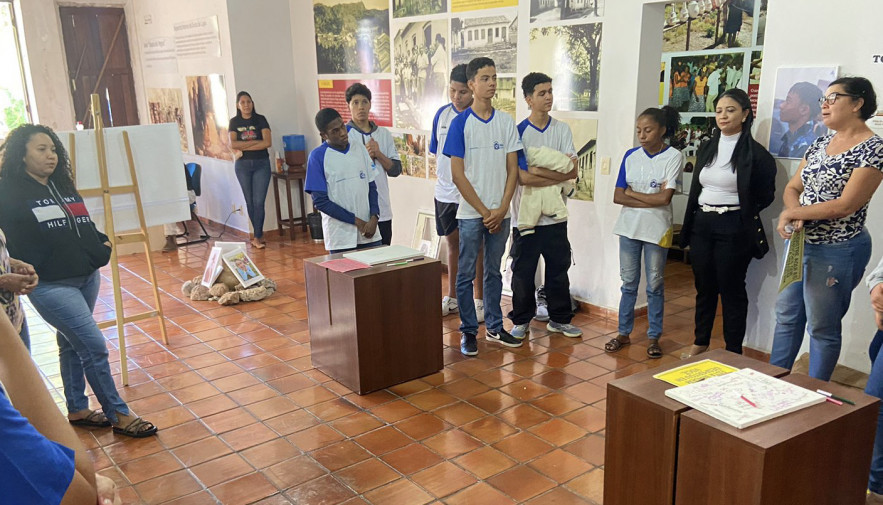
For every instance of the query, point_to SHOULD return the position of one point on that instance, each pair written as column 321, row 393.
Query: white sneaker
column 479, row 311
column 542, row 308
column 449, row 306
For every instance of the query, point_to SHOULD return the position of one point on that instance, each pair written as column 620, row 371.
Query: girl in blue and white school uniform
column 647, row 180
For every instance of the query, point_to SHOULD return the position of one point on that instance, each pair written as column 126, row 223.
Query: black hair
column 531, row 80
column 458, row 74
column 240, row 95
column 667, row 117
column 743, row 152
column 861, row 88
column 809, row 94
column 324, row 117
column 477, row 64
column 357, row 89
column 15, row 148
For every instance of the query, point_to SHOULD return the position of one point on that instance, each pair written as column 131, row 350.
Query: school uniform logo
column 498, row 146
column 363, row 175
column 655, row 184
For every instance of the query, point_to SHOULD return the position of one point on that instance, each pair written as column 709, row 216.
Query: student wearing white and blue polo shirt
column 483, row 147
column 341, row 182
column 381, row 148
column 647, row 180
column 549, row 237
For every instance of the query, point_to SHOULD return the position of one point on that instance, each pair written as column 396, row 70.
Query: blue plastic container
column 294, row 142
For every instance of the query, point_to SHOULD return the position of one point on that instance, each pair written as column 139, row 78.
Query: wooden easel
column 140, row 236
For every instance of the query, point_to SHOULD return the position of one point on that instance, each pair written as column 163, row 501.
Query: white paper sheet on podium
column 744, row 398
column 159, row 166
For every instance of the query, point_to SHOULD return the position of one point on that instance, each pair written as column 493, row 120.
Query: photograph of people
column 828, row 198
column 48, row 226
column 648, row 178
column 733, row 180
column 797, row 111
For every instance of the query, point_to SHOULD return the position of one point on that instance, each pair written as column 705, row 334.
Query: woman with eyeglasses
column 734, row 179
column 828, row 199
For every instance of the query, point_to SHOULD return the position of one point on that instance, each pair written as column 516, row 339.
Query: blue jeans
column 630, row 273
column 472, row 235
column 875, row 388
column 254, row 178
column 67, row 305
column 830, row 274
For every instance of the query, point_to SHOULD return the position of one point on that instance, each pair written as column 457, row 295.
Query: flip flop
column 95, row 419
column 616, row 343
column 139, row 428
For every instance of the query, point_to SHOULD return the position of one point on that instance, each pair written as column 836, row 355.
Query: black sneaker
column 503, row 337
column 468, row 344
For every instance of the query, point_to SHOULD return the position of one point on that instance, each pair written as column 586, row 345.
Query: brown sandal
column 139, row 428
column 616, row 343
column 257, row 243
column 653, row 350
column 95, row 419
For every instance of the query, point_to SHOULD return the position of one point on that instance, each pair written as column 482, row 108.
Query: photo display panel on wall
column 708, row 47
column 404, row 50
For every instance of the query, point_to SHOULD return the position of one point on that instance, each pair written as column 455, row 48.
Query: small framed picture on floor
column 212, row 268
column 243, row 267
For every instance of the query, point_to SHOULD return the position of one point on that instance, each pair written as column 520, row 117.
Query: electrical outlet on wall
column 237, row 209
column 605, row 166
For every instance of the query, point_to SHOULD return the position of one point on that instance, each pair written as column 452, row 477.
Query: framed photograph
column 797, row 114
column 243, row 267
column 212, row 268
column 425, row 238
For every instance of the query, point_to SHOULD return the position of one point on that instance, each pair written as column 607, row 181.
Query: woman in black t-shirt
column 250, row 133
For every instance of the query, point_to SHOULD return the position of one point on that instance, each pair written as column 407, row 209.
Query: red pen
column 749, row 401
column 835, row 402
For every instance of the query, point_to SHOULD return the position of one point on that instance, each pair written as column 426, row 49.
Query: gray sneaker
column 568, row 330
column 520, row 331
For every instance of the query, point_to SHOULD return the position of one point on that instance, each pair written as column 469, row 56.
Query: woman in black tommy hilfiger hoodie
column 48, row 226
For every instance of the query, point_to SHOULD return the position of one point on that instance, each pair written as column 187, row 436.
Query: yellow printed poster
column 792, row 270
column 474, row 5
column 695, row 372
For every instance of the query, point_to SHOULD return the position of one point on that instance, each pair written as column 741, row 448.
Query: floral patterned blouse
column 824, row 177
column 8, row 300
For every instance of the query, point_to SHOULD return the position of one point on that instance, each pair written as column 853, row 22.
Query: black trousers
column 720, row 251
column 551, row 243
column 385, row 229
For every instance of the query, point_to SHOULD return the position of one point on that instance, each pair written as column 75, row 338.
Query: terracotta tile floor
column 245, row 418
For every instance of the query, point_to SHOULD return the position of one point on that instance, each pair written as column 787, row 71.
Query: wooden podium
column 373, row 328
column 819, row 455
column 642, row 433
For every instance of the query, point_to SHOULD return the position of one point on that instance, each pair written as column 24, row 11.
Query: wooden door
column 97, row 51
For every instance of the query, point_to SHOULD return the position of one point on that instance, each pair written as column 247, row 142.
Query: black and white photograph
column 571, row 55
column 493, row 36
column 557, row 10
column 421, row 72
column 701, row 25
column 504, row 98
column 352, row 37
column 585, row 140
column 406, row 8
column 695, row 81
